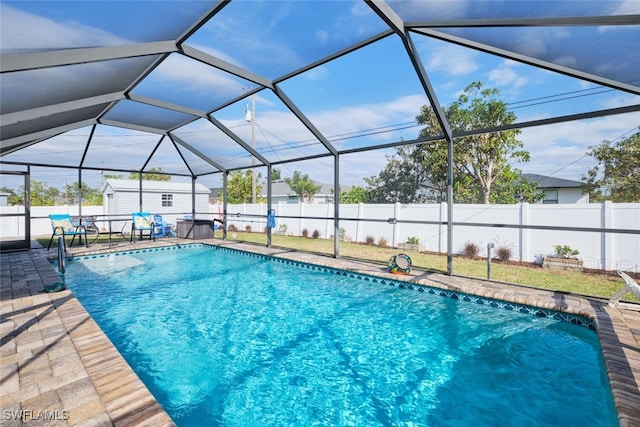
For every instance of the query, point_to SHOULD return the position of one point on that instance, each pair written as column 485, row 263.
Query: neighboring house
column 162, row 197
column 281, row 192
column 4, row 198
column 558, row 190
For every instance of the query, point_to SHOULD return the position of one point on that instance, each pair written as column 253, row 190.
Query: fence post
column 300, row 213
column 524, row 233
column 607, row 240
column 396, row 214
column 358, row 227
column 441, row 233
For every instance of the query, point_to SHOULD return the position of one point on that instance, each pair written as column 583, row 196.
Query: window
column 167, row 200
column 550, row 197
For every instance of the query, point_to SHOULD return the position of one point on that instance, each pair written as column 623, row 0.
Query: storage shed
column 121, row 197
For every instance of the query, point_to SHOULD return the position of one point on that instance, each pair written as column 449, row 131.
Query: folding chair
column 62, row 225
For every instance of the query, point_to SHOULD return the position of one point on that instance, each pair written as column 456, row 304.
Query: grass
column 601, row 285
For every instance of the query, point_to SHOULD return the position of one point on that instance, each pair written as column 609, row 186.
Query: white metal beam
column 35, row 113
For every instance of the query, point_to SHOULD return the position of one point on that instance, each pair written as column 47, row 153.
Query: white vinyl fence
column 479, row 224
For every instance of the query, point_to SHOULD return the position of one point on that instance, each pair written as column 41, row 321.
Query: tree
column 303, row 186
column 275, row 175
column 41, row 193
column 418, row 173
column 357, row 194
column 616, row 177
column 403, row 180
column 90, row 196
column 153, row 174
column 14, row 199
column 113, row 176
column 239, row 186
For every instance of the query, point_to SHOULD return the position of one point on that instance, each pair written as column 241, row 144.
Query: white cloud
column 322, row 36
column 562, row 147
column 183, row 70
column 451, row 60
column 318, row 73
column 506, row 75
column 25, row 31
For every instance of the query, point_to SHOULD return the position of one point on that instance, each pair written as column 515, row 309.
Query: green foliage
column 239, row 186
column 357, row 194
column 403, row 180
column 90, row 196
column 482, row 163
column 565, row 251
column 14, row 198
column 112, row 176
column 413, row 240
column 303, row 186
column 153, row 174
column 41, row 193
column 616, row 177
column 275, row 174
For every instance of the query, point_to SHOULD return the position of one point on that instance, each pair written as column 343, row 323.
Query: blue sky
column 368, row 97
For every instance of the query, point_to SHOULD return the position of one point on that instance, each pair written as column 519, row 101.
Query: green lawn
column 599, row 285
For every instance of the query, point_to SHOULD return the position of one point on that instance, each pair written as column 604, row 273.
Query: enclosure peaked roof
column 175, row 85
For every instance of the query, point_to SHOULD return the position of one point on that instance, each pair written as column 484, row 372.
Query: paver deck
column 57, row 367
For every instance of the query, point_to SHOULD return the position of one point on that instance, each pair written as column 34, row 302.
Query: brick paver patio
column 57, row 368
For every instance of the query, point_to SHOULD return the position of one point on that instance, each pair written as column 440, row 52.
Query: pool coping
column 45, row 330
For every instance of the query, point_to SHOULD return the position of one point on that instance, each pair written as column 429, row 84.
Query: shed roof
column 153, row 186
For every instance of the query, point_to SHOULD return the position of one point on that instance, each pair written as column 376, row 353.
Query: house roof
column 130, row 86
column 152, row 186
column 546, row 182
column 281, row 188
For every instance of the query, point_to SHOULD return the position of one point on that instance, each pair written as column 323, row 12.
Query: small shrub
column 305, row 233
column 247, row 228
column 232, row 227
column 382, row 242
column 413, row 240
column 565, row 251
column 282, row 229
column 503, row 253
column 471, row 250
column 370, row 240
column 315, row 234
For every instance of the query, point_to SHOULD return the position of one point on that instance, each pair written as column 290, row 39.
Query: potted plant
column 564, row 257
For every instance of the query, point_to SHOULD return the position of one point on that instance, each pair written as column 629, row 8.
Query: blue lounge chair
column 141, row 223
column 62, row 225
column 161, row 228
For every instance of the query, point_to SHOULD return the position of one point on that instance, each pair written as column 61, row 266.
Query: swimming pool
column 222, row 337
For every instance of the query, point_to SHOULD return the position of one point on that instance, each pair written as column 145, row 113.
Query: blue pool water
column 229, row 339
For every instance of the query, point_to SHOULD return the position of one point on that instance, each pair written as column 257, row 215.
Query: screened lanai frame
column 121, row 96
